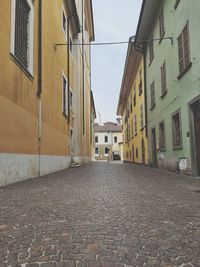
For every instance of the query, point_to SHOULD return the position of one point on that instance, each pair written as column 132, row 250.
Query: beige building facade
column 45, row 90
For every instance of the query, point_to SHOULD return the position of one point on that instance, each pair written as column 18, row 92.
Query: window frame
column 96, row 149
column 64, row 16
column 30, row 33
column 163, row 71
column 176, row 146
column 162, row 139
column 65, row 96
column 105, row 138
column 161, row 25
column 153, row 99
column 151, row 50
column 141, row 116
column 115, row 139
column 184, row 51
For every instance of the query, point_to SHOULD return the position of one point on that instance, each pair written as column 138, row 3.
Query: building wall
column 113, row 147
column 30, row 146
column 19, row 107
column 131, row 139
column 179, row 91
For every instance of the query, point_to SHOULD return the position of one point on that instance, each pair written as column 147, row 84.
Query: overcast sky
column 114, row 20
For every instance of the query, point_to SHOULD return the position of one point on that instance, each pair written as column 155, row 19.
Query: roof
column 146, row 19
column 133, row 59
column 108, row 127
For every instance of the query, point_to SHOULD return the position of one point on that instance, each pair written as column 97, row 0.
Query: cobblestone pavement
column 101, row 215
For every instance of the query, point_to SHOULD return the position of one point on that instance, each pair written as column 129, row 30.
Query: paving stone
column 101, row 215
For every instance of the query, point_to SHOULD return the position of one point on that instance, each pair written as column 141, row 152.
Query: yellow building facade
column 131, row 107
column 42, row 92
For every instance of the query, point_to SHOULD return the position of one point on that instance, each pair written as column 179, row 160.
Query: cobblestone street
column 106, row 215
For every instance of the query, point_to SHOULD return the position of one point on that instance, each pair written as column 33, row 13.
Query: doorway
column 143, row 151
column 153, row 143
column 195, row 124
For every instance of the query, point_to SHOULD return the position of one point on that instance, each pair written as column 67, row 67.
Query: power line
column 114, row 43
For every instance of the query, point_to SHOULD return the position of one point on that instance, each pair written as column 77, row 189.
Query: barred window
column 22, row 33
column 153, row 101
column 163, row 80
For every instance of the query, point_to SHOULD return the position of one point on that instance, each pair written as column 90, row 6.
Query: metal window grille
column 21, row 31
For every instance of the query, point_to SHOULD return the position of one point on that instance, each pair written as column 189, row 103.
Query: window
column 22, row 33
column 163, row 79
column 132, row 128
column 176, row 3
column 106, row 139
column 71, row 99
column 176, row 131
column 136, row 153
column 64, row 22
column 135, row 123
column 140, row 83
column 141, row 116
column 134, row 95
column 70, row 45
column 96, row 139
column 64, row 96
column 115, row 139
column 106, row 150
column 161, row 25
column 162, row 136
column 152, row 89
column 184, row 51
column 151, row 50
column 96, row 151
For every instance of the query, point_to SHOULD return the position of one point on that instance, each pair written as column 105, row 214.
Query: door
column 143, row 151
column 153, row 140
column 133, row 153
column 196, row 118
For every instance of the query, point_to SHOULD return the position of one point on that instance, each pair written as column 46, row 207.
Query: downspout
column 39, row 91
column 83, row 81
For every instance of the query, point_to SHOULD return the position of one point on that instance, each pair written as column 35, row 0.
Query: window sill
column 163, row 94
column 18, row 63
column 184, row 71
column 163, row 150
column 178, row 147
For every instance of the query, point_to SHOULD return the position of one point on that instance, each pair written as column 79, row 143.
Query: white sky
column 114, row 20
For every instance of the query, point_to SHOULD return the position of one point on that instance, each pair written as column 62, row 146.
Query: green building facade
column 168, row 34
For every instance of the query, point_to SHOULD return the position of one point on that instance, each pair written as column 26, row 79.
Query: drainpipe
column 83, row 82
column 39, row 91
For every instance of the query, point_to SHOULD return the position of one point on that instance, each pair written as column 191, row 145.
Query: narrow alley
column 105, row 215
